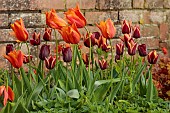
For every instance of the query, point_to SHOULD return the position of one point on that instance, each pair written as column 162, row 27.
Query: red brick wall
column 152, row 15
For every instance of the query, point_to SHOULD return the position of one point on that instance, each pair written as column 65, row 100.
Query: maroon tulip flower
column 94, row 37
column 142, row 50
column 44, row 51
column 117, row 57
column 9, row 48
column 47, row 34
column 27, row 59
column 50, row 62
column 126, row 27
column 119, row 49
column 67, row 54
column 35, row 39
column 132, row 47
column 136, row 33
column 152, row 57
column 103, row 64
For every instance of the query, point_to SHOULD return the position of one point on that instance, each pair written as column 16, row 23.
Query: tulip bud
column 126, row 27
column 136, row 33
column 152, row 57
column 27, row 59
column 119, row 49
column 142, row 50
column 67, row 54
column 47, row 34
column 35, row 39
column 117, row 57
column 132, row 47
column 103, row 64
column 164, row 50
column 85, row 59
column 9, row 48
column 50, row 62
column 44, row 51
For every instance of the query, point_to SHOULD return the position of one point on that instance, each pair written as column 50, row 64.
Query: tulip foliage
column 69, row 79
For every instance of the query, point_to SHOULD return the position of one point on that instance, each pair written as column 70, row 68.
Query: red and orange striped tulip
column 15, row 58
column 119, row 49
column 27, row 59
column 103, row 64
column 50, row 62
column 74, row 15
column 47, row 34
column 136, row 33
column 107, row 28
column 54, row 21
column 126, row 27
column 8, row 94
column 19, row 30
column 70, row 34
column 35, row 39
column 152, row 57
column 131, row 47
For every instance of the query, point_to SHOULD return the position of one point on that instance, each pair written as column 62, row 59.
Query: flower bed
column 117, row 79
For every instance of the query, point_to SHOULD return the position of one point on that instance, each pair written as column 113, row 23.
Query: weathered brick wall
column 152, row 15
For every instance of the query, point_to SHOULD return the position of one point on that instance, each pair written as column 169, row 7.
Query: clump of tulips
column 73, row 78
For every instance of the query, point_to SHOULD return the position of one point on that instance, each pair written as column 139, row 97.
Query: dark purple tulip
column 142, row 50
column 67, row 54
column 9, row 48
column 47, row 34
column 44, row 51
column 119, row 49
column 35, row 39
column 50, row 62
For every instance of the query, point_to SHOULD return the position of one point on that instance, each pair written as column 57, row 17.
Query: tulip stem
column 56, row 42
column 29, row 60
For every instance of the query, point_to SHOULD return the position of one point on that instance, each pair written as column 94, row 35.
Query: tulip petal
column 10, row 94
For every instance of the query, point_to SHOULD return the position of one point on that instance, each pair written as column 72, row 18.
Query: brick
column 138, row 3
column 157, row 17
column 163, row 32
column 47, row 4
column 118, row 30
column 154, row 4
column 3, row 20
column 84, row 4
column 167, row 3
column 120, row 4
column 30, row 19
column 96, row 17
column 19, row 4
column 103, row 4
column 145, row 17
column 149, row 30
column 114, row 15
column 151, row 42
column 5, row 35
column 3, row 4
column 132, row 15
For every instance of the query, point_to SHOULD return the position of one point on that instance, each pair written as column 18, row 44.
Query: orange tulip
column 8, row 94
column 70, row 34
column 54, row 21
column 102, row 43
column 20, row 31
column 15, row 58
column 107, row 28
column 75, row 16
